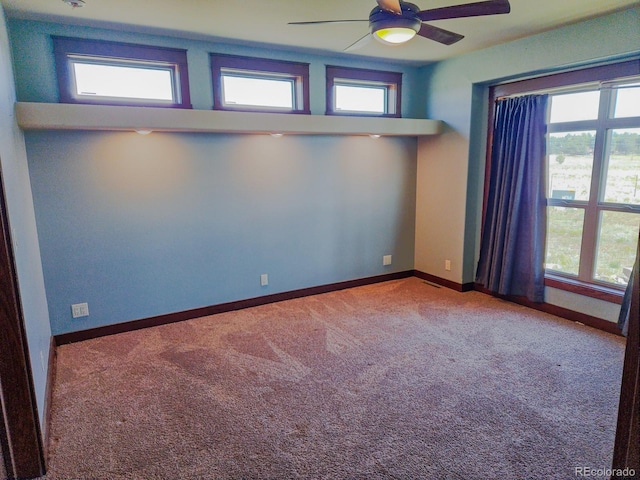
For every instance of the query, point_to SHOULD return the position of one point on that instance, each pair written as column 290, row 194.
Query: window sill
column 250, row 109
column 123, row 103
column 602, row 292
column 61, row 116
column 361, row 114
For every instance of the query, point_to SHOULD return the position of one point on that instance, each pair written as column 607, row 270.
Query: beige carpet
column 398, row 380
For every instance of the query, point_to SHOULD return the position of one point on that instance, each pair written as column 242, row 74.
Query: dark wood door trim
column 20, row 438
column 626, row 454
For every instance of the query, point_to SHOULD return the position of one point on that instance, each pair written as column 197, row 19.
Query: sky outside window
column 628, row 101
column 360, row 99
column 575, row 106
column 257, row 92
column 94, row 80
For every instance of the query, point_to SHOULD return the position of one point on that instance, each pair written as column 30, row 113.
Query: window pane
column 257, row 92
column 623, row 167
column 574, row 106
column 628, row 101
column 570, row 163
column 616, row 246
column 360, row 99
column 564, row 236
column 116, row 81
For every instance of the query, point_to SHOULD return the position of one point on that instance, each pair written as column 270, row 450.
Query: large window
column 593, row 182
column 97, row 72
column 352, row 91
column 593, row 176
column 257, row 84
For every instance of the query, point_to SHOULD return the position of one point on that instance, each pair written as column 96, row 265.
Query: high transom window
column 257, row 84
column 96, row 72
column 352, row 91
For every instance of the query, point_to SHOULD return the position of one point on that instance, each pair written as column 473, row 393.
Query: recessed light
column 74, row 3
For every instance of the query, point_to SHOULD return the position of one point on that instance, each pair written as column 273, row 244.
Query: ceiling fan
column 394, row 21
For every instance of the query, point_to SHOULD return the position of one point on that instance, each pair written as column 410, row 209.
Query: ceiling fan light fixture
column 394, row 22
column 394, row 35
column 392, row 29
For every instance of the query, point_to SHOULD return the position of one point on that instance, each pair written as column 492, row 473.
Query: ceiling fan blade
column 358, row 44
column 491, row 7
column 439, row 35
column 391, row 6
column 321, row 22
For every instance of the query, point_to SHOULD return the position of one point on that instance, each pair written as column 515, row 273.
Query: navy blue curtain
column 513, row 237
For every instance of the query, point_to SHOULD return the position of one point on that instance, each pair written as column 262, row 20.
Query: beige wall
column 442, row 183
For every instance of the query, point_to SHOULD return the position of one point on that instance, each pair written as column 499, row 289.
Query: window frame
column 392, row 81
column 572, row 80
column 254, row 67
column 119, row 54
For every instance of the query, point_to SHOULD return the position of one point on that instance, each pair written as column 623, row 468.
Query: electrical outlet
column 264, row 280
column 80, row 310
column 447, row 265
column 386, row 260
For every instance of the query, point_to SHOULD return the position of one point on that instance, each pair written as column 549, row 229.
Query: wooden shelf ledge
column 63, row 116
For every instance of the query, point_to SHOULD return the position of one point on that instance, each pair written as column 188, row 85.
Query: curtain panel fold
column 512, row 247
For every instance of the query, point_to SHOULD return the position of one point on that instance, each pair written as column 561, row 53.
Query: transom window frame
column 572, row 81
column 261, row 68
column 68, row 50
column 391, row 81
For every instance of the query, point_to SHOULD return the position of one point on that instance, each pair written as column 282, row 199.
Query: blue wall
column 139, row 226
column 17, row 188
column 145, row 225
column 35, row 66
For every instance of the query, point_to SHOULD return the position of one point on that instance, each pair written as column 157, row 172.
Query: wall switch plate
column 447, row 265
column 264, row 280
column 80, row 310
column 386, row 260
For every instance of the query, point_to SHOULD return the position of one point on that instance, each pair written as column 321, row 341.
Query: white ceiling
column 265, row 21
